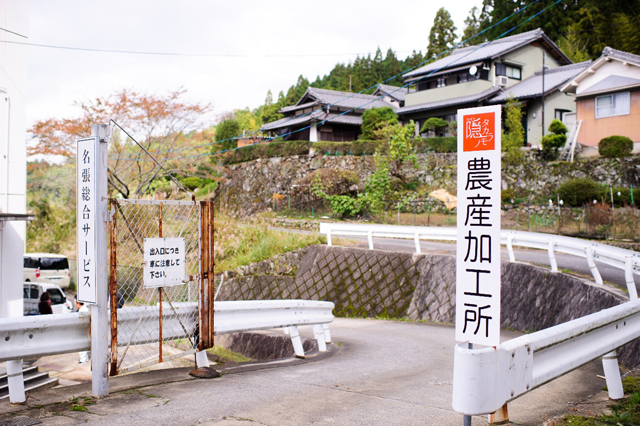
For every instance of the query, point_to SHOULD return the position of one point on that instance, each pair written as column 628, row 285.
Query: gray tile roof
column 532, row 86
column 393, row 91
column 314, row 117
column 297, row 107
column 474, row 54
column 619, row 54
column 476, row 97
column 610, row 84
column 346, row 99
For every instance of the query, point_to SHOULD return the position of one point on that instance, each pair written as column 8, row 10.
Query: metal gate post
column 211, row 295
column 160, row 291
column 99, row 312
column 204, row 276
column 113, row 284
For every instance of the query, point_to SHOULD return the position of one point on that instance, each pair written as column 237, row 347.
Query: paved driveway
column 383, row 373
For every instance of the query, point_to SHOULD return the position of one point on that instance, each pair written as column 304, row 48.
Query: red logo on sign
column 479, row 132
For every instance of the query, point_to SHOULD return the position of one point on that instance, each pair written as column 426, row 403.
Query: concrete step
column 33, row 380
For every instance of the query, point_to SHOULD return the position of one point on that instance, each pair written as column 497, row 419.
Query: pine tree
column 443, row 33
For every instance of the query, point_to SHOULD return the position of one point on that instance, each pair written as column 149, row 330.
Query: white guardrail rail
column 627, row 260
column 43, row 335
column 486, row 379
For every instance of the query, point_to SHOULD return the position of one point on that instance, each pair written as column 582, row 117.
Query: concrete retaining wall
column 374, row 283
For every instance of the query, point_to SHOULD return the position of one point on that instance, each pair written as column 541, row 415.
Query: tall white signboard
column 478, row 248
column 87, row 216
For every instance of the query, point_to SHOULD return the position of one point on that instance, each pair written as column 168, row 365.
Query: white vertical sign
column 87, row 217
column 478, row 245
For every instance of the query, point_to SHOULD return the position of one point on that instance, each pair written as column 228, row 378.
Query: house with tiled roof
column 392, row 94
column 529, row 94
column 326, row 115
column 472, row 76
column 607, row 96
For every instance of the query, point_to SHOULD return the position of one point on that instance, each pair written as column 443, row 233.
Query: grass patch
column 239, row 244
column 226, row 355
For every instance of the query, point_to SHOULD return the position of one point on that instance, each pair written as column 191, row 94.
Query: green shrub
column 507, row 195
column 375, row 119
column 615, row 146
column 553, row 142
column 578, row 192
column 437, row 144
column 193, row 182
column 557, row 127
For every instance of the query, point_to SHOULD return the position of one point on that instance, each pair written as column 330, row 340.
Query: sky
column 247, row 47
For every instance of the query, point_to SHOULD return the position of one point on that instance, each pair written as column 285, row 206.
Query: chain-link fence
column 161, row 323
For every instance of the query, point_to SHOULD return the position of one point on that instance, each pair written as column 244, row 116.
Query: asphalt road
column 383, row 373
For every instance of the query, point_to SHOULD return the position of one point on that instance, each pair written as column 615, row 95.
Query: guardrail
column 486, row 379
column 627, row 260
column 43, row 335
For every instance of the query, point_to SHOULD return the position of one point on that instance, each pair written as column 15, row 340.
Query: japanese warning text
column 164, row 262
column 478, row 246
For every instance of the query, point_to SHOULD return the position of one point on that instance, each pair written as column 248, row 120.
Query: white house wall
column 613, row 67
column 14, row 16
column 556, row 100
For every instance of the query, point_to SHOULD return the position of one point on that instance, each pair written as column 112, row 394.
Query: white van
column 47, row 268
column 31, row 297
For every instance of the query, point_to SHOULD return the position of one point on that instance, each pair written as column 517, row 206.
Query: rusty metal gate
column 163, row 323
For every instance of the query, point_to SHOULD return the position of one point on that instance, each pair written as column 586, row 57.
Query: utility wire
column 177, row 182
column 194, row 55
column 12, row 32
column 364, row 90
column 380, row 97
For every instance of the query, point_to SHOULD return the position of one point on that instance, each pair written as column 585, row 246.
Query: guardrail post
column 500, row 417
column 370, row 239
column 628, row 274
column 416, row 239
column 327, row 333
column 329, row 237
column 512, row 256
column 296, row 341
column 318, row 333
column 612, row 375
column 15, row 381
column 592, row 265
column 552, row 256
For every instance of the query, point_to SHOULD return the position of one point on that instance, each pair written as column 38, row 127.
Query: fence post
column 370, row 239
column 512, row 256
column 100, row 332
column 628, row 274
column 612, row 375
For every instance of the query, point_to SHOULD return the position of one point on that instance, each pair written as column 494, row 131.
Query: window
column 509, row 71
column 612, row 105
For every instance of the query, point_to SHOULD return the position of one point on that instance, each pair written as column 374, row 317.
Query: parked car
column 47, row 268
column 31, row 296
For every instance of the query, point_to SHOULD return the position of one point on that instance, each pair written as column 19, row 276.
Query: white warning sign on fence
column 478, row 245
column 164, row 262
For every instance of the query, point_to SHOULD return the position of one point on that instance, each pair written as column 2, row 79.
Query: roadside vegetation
column 237, row 244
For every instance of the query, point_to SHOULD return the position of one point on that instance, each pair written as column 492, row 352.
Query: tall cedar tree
column 443, row 33
column 472, row 27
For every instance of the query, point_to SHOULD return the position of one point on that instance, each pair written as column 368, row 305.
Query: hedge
column 615, row 146
column 359, row 147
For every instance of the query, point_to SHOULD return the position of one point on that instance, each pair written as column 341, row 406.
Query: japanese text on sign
column 478, row 248
column 86, row 218
column 164, row 262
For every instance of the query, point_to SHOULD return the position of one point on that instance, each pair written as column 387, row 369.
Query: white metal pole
column 100, row 325
column 612, row 375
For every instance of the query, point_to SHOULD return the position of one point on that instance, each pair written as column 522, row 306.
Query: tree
column 376, row 118
column 226, row 132
column 472, row 27
column 159, row 124
column 398, row 147
column 434, row 124
column 513, row 135
column 443, row 33
column 557, row 139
